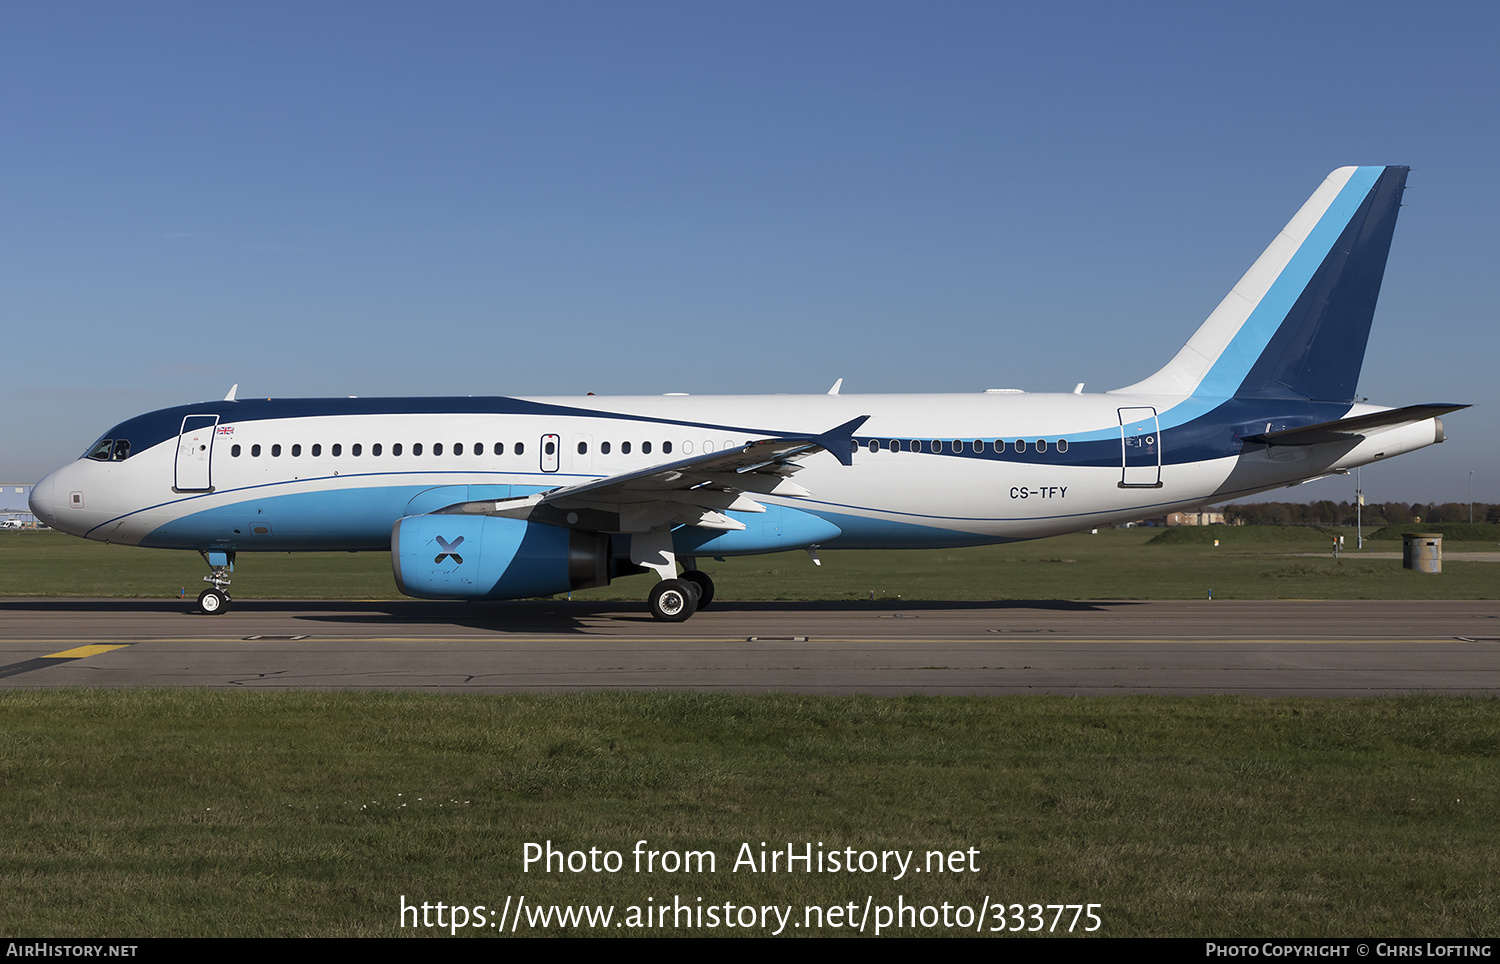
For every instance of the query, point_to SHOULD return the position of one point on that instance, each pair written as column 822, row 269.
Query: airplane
column 508, row 498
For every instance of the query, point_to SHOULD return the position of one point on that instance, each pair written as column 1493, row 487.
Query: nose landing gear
column 215, row 601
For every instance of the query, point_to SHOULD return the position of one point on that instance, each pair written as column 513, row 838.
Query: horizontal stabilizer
column 1345, row 428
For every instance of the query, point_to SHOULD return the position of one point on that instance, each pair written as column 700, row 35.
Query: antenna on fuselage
column 836, row 386
column 232, row 389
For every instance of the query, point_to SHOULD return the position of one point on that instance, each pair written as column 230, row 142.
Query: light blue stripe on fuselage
column 361, row 519
column 333, row 519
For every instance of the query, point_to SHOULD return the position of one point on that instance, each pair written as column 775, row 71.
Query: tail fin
column 1297, row 323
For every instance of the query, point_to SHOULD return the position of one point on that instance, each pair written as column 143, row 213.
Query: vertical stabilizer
column 1297, row 323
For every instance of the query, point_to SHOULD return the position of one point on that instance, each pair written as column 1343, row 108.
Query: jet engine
column 442, row 556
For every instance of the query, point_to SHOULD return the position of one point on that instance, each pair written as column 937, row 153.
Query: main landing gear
column 705, row 586
column 675, row 597
column 674, row 600
column 215, row 601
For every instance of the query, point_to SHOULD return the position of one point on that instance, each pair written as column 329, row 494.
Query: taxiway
column 1311, row 648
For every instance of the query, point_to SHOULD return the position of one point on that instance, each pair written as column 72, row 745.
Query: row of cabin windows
column 958, row 445
column 376, row 449
column 498, row 448
column 605, row 448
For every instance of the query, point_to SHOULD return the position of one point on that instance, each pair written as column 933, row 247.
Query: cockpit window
column 110, row 449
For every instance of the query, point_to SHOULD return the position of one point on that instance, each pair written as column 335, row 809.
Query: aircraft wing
column 695, row 491
column 1346, row 428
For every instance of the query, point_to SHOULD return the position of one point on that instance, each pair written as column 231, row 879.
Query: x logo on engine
column 448, row 548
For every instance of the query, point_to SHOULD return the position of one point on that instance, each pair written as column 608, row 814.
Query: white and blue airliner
column 506, row 498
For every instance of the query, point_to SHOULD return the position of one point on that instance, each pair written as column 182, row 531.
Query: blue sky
column 494, row 198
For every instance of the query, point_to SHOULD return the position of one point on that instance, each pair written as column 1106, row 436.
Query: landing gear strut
column 215, row 601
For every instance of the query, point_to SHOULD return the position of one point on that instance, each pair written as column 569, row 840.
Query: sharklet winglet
column 839, row 441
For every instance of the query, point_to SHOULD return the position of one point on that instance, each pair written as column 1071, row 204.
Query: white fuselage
column 1074, row 471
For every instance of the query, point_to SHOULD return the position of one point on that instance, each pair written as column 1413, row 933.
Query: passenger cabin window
column 437, row 448
column 603, row 448
column 235, row 450
column 478, row 448
column 255, row 451
column 375, row 450
column 276, row 451
column 1062, row 445
column 458, row 448
column 520, row 448
column 1041, row 445
column 666, row 448
column 356, row 449
column 624, row 448
column 296, row 451
column 337, row 450
column 416, row 448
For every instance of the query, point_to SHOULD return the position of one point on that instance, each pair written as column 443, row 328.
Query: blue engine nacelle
column 484, row 557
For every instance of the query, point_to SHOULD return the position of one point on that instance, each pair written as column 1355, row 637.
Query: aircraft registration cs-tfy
column 506, row 498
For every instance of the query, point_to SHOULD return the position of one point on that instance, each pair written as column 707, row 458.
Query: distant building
column 14, row 503
column 1203, row 517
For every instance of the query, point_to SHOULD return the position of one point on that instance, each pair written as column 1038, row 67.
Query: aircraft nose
column 49, row 500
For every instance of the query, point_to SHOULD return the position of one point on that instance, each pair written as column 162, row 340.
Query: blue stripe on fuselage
column 331, row 519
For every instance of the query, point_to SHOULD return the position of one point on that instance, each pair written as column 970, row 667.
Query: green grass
column 1251, row 562
column 177, row 813
column 156, row 813
column 1285, row 538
